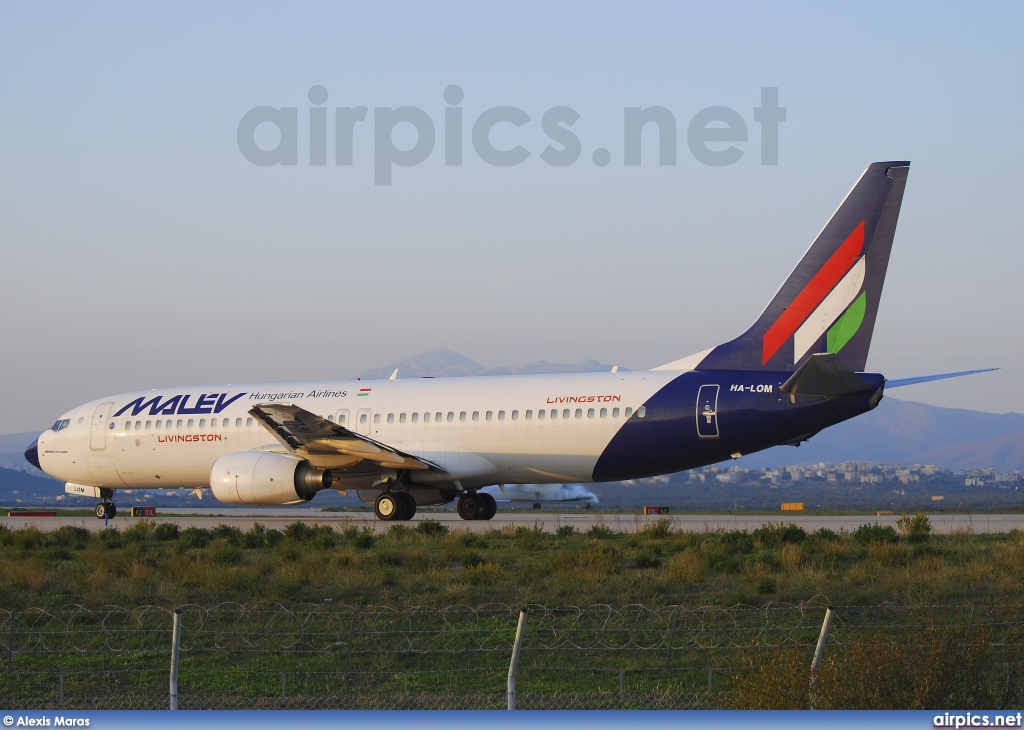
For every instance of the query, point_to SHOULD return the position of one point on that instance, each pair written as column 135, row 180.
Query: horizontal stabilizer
column 900, row 382
column 824, row 374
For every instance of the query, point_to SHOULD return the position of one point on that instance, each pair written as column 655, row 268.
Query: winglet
column 394, row 375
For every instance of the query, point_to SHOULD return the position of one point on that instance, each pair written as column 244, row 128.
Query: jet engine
column 266, row 478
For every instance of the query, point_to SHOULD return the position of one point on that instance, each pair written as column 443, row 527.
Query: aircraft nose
column 32, row 454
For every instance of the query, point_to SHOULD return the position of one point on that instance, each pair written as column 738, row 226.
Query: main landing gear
column 106, row 508
column 477, row 506
column 392, row 506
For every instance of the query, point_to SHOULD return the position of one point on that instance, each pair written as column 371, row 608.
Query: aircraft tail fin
column 830, row 300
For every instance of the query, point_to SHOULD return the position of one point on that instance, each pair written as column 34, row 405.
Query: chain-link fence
column 336, row 657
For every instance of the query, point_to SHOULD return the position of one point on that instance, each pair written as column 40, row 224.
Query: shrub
column 867, row 534
column 566, row 531
column 110, row 538
column 167, row 531
column 194, row 537
column 226, row 554
column 230, row 534
column 363, row 539
column 431, row 528
column 766, row 586
column 600, row 532
column 823, row 534
column 139, row 532
column 737, row 541
column 646, row 558
column 916, row 529
column 659, row 528
column 773, row 536
column 255, row 537
column 274, row 537
column 71, row 536
column 299, row 532
column 399, row 532
column 326, row 538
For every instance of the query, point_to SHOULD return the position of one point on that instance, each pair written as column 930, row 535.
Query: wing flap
column 329, row 445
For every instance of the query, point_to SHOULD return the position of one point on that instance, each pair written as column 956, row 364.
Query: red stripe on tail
column 812, row 295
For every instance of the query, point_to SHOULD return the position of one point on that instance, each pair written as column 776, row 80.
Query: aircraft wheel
column 389, row 506
column 111, row 510
column 410, row 505
column 469, row 506
column 101, row 510
column 488, row 507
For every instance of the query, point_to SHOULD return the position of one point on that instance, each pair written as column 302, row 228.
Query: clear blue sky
column 140, row 248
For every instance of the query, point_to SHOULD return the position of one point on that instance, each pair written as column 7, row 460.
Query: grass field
column 425, row 611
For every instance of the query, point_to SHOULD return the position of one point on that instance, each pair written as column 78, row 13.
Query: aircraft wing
column 330, row 446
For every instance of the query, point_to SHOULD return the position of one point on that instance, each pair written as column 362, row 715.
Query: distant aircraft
column 430, row 441
column 541, row 494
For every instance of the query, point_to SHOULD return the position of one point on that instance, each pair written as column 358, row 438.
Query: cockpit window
column 61, row 425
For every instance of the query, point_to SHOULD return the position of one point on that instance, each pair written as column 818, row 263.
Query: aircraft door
column 363, row 421
column 100, row 424
column 342, row 419
column 707, row 412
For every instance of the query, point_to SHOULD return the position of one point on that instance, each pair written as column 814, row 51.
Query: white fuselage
column 482, row 430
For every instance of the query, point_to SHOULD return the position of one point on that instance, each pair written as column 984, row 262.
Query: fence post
column 671, row 636
column 405, row 684
column 709, row 678
column 61, row 685
column 283, row 695
column 175, row 648
column 818, row 651
column 515, row 659
column 622, row 683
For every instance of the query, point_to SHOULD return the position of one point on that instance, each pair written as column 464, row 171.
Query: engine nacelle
column 266, row 478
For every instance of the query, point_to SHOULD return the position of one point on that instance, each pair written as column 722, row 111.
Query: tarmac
column 582, row 520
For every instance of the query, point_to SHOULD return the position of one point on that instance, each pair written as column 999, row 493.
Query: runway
column 278, row 519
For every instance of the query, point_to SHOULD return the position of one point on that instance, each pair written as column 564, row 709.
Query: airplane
column 540, row 494
column 405, row 443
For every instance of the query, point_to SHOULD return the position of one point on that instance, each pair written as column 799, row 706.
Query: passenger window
column 501, row 415
column 158, row 424
column 476, row 415
column 604, row 413
column 376, row 418
column 401, row 418
column 641, row 411
column 330, row 419
column 590, row 413
column 540, row 415
column 341, row 419
column 391, row 418
column 415, row 417
column 515, row 415
column 629, row 412
column 248, row 422
column 462, row 415
column 138, row 425
column 190, row 422
column 554, row 413
column 202, row 423
column 565, row 413
column 363, row 419
column 149, row 425
column 529, row 415
column 426, row 417
column 437, row 416
column 127, row 425
column 451, row 416
column 490, row 415
column 615, row 412
column 238, row 423
column 579, row 413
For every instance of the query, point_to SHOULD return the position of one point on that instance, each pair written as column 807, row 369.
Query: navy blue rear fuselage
column 701, row 418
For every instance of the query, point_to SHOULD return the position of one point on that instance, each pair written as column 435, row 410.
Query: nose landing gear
column 106, row 509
